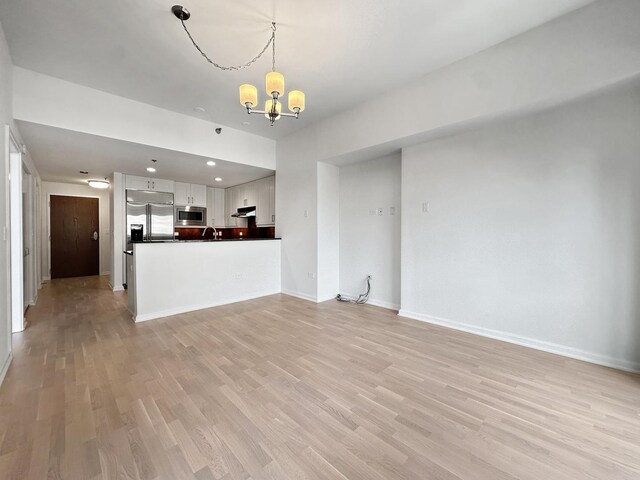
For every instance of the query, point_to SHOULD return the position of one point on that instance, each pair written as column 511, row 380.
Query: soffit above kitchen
column 60, row 155
column 339, row 53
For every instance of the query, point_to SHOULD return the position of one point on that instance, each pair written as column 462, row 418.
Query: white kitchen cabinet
column 190, row 194
column 160, row 185
column 198, row 195
column 137, row 183
column 145, row 183
column 230, row 206
column 182, row 194
column 259, row 194
column 216, row 207
column 271, row 188
column 262, row 207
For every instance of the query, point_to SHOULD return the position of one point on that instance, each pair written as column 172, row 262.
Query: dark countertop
column 211, row 240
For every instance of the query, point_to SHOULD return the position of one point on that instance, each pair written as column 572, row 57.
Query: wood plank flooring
column 279, row 388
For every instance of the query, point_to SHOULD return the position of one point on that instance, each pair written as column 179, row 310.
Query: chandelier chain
column 271, row 42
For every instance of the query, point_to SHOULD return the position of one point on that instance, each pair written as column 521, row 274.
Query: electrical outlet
column 379, row 212
column 306, row 213
column 425, row 207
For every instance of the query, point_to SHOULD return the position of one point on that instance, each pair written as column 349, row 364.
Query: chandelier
column 274, row 81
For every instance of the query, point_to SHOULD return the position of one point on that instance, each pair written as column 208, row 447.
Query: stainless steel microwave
column 190, row 216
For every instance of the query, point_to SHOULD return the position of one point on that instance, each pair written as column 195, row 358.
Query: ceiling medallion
column 274, row 81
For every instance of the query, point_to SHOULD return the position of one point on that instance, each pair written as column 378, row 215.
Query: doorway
column 74, row 227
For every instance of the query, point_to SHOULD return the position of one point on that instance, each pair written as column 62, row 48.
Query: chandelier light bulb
column 248, row 95
column 274, row 84
column 268, row 105
column 296, row 101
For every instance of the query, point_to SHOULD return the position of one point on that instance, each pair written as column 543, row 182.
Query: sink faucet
column 215, row 232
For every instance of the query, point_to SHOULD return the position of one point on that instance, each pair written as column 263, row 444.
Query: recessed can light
column 83, row 172
column 199, row 109
column 151, row 169
column 246, row 124
column 218, row 179
column 211, row 163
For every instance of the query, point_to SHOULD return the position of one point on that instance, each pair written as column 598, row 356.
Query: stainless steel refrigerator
column 152, row 210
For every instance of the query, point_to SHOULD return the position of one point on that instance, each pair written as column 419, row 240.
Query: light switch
column 425, row 207
column 392, row 210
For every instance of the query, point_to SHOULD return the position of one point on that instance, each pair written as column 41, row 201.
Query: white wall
column 296, row 216
column 118, row 219
column 586, row 50
column 370, row 244
column 50, row 101
column 75, row 190
column 328, row 231
column 5, row 118
column 533, row 231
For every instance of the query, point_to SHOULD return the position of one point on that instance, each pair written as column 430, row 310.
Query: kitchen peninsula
column 168, row 278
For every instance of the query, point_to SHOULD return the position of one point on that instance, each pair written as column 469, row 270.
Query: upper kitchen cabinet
column 151, row 184
column 216, row 207
column 265, row 207
column 260, row 194
column 190, row 194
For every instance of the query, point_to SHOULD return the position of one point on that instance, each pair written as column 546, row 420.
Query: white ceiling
column 339, row 52
column 60, row 154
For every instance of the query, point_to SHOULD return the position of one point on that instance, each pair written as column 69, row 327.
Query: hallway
column 320, row 391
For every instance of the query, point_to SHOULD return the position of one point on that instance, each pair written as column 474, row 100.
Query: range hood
column 245, row 212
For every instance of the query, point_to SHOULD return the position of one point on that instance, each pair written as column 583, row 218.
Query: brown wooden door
column 74, row 237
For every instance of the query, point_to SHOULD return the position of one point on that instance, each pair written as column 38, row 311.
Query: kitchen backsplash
column 196, row 233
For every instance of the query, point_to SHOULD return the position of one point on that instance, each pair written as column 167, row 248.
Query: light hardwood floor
column 280, row 388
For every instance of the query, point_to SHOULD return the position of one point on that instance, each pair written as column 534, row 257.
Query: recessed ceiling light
column 218, row 179
column 246, row 124
column 199, row 109
column 102, row 184
column 151, row 169
column 84, row 172
column 211, row 163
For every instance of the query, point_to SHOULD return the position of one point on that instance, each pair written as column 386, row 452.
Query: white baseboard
column 102, row 274
column 46, row 278
column 549, row 347
column 118, row 289
column 5, row 367
column 303, row 296
column 192, row 308
column 374, row 302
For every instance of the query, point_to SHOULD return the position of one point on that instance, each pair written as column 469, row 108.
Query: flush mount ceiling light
column 151, row 170
column 211, row 163
column 218, row 179
column 274, row 81
column 101, row 184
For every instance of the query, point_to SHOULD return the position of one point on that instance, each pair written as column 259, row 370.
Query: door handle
column 26, row 252
column 95, row 235
column 273, row 218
